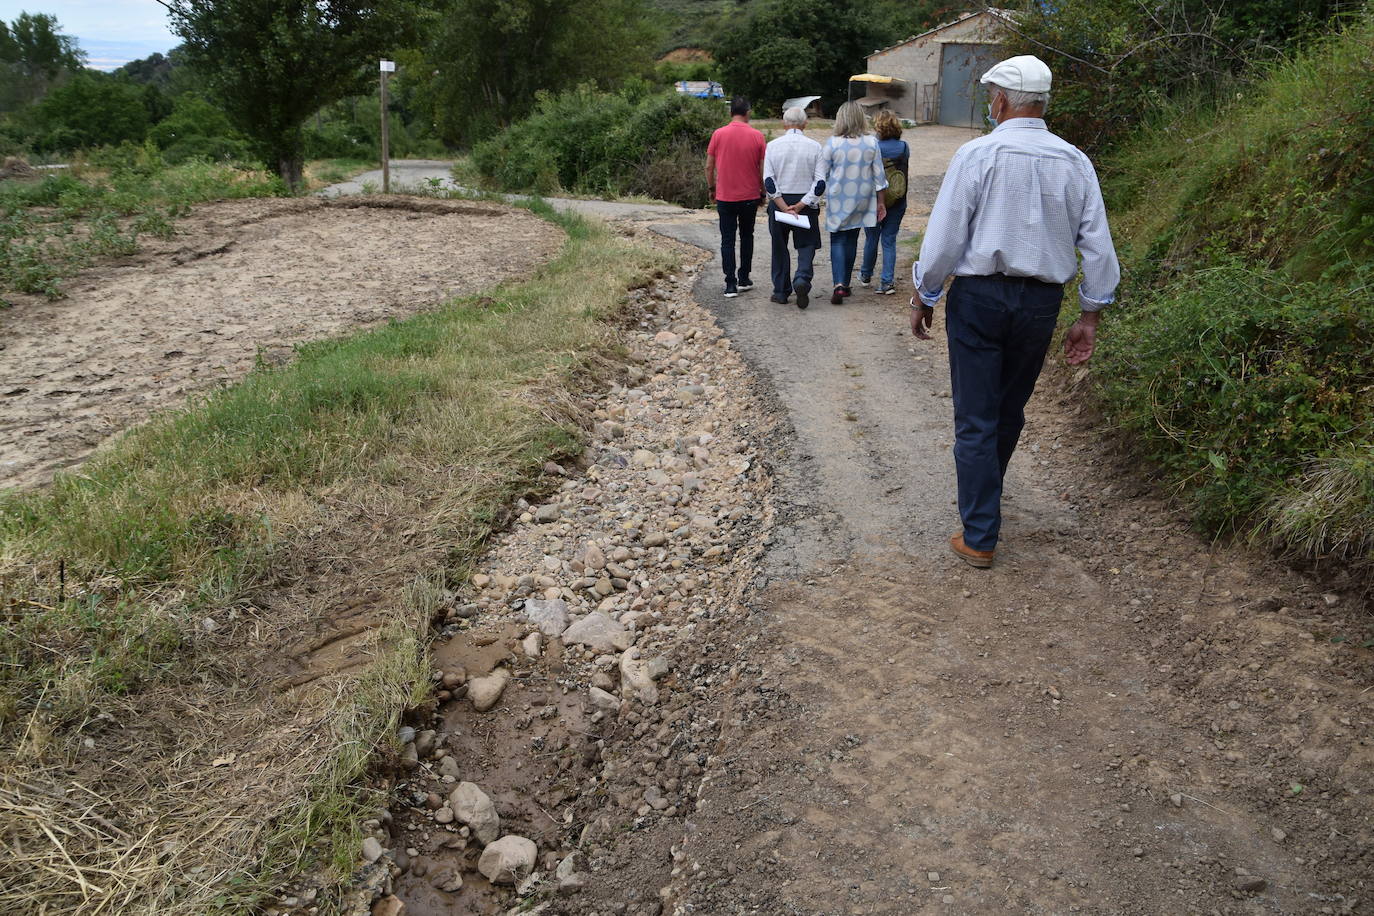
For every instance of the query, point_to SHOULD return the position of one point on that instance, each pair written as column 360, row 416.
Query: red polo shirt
column 738, row 150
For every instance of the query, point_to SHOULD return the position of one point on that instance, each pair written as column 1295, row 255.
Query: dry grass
column 1329, row 511
column 157, row 764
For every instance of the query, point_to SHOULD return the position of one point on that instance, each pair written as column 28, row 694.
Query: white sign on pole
column 388, row 66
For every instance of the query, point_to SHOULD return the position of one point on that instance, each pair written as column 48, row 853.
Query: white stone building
column 938, row 70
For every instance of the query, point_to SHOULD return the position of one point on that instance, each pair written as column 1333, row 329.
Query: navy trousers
column 737, row 217
column 806, row 241
column 999, row 329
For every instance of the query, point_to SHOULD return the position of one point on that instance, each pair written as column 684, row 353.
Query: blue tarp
column 701, row 89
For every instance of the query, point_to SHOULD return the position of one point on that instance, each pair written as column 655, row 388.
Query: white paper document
column 792, row 219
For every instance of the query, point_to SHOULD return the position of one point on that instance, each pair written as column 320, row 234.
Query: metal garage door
column 962, row 99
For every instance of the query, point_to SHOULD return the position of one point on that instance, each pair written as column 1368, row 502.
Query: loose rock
column 508, row 860
column 598, row 632
column 472, row 807
column 551, row 617
column 485, row 691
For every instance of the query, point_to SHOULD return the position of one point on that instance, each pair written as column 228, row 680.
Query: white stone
column 598, row 632
column 634, row 673
column 602, row 700
column 508, row 860
column 551, row 617
column 472, row 806
column 485, row 691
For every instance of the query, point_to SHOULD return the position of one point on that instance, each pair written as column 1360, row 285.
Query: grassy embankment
column 1243, row 358
column 57, row 224
column 439, row 420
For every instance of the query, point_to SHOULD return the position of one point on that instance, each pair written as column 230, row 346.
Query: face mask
column 992, row 122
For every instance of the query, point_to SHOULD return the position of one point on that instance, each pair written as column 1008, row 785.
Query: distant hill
column 692, row 23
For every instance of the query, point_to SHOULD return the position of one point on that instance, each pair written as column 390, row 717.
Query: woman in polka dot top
column 854, row 186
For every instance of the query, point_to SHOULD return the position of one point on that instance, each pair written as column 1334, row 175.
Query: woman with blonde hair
column 854, row 185
column 896, row 158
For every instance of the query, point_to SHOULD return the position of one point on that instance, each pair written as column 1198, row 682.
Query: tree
column 270, row 64
column 895, row 20
column 492, row 56
column 34, row 56
column 786, row 48
column 91, row 109
column 1114, row 60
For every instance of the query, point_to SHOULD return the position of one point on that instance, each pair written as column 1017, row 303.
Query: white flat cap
column 1026, row 73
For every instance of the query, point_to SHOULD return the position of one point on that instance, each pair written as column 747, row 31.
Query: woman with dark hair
column 854, row 187
column 896, row 158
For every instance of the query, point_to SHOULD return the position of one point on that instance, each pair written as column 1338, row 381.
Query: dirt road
column 1118, row 718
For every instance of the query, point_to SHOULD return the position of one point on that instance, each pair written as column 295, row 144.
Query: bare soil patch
column 242, row 281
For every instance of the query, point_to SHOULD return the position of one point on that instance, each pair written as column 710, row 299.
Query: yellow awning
column 872, row 78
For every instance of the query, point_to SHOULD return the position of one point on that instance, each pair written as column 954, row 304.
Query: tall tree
column 273, row 63
column 785, row 48
column 492, row 56
column 34, row 56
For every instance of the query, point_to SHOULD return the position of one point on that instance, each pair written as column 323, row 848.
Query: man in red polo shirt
column 734, row 172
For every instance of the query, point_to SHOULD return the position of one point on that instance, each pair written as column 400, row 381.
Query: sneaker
column 744, row 284
column 780, row 300
column 846, row 291
column 865, row 281
column 887, row 289
column 803, row 291
column 837, row 297
column 731, row 291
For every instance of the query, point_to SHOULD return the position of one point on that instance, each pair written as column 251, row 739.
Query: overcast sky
column 111, row 32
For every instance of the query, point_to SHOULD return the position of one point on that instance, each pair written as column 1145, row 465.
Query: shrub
column 1243, row 358
column 198, row 130
column 90, row 110
column 1238, row 378
column 585, row 141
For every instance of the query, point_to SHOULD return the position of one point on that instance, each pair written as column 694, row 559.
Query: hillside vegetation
column 587, row 142
column 1243, row 358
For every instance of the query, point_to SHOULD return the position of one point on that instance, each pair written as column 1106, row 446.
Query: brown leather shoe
column 980, row 559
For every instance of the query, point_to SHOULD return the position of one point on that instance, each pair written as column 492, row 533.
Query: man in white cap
column 1013, row 207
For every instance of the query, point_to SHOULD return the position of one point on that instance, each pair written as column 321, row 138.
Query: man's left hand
column 1079, row 345
column 922, row 317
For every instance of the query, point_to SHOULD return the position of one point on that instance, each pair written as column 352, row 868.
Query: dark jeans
column 806, row 241
column 999, row 329
column 737, row 215
column 844, row 246
column 886, row 232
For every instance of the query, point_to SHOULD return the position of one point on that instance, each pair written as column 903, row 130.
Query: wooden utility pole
column 388, row 67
